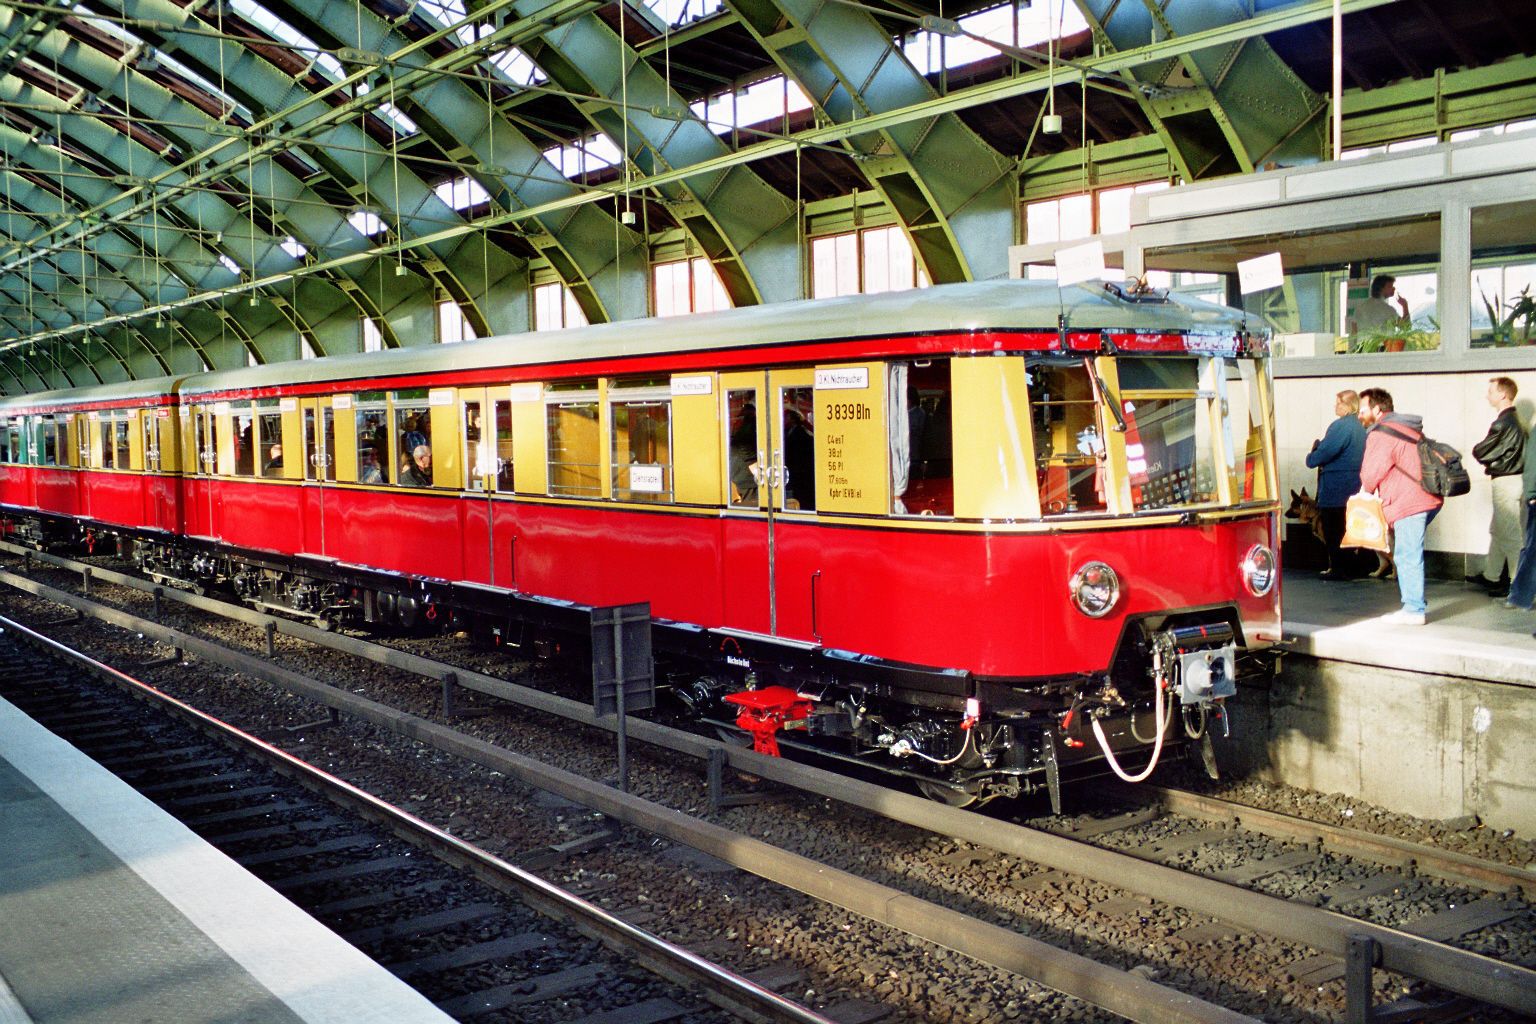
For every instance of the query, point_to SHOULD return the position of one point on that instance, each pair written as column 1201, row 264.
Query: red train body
column 1072, row 519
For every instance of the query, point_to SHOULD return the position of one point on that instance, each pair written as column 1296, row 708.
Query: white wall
column 1455, row 411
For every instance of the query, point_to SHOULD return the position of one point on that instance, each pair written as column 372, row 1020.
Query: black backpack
column 1440, row 469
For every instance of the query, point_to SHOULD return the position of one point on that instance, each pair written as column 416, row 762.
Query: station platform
column 1468, row 634
column 111, row 911
column 1430, row 720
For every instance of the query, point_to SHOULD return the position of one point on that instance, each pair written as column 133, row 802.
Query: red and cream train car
column 986, row 535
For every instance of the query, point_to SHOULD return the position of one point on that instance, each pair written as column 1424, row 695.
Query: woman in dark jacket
column 1337, row 456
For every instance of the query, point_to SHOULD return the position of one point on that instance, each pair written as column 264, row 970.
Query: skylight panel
column 229, row 264
column 110, row 27
column 681, row 12
column 280, row 30
column 391, row 113
column 462, row 193
column 930, row 52
column 293, row 247
column 584, row 156
column 517, row 67
column 365, row 222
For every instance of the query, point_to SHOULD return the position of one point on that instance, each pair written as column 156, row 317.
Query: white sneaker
column 1404, row 617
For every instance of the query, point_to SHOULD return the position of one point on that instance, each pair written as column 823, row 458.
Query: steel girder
column 952, row 193
column 747, row 228
column 1220, row 110
column 513, row 171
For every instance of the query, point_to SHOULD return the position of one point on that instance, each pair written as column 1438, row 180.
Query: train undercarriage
column 959, row 739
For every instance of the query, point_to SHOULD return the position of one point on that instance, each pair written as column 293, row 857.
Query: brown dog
column 1304, row 509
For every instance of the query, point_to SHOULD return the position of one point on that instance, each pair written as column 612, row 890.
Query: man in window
column 418, row 472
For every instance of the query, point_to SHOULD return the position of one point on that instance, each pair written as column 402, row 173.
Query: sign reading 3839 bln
column 853, row 472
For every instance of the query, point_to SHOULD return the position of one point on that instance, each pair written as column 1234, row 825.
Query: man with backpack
column 1394, row 470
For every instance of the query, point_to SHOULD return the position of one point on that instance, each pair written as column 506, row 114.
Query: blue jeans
column 1522, row 586
column 1408, row 553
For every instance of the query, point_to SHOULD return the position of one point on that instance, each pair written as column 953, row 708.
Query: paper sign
column 645, row 478
column 854, row 378
column 1080, row 263
column 1260, row 274
column 692, row 385
column 440, row 396
column 342, row 402
column 287, row 404
column 526, row 392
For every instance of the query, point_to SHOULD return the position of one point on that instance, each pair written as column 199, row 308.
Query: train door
column 792, row 542
column 771, row 490
column 318, row 423
column 204, row 463
column 477, row 434
column 84, row 429
column 155, row 428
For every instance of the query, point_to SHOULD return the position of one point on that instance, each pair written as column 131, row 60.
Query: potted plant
column 1514, row 328
column 1393, row 337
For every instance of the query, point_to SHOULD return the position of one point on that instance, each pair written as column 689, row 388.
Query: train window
column 502, row 480
column 641, row 442
column 120, row 439
column 413, row 434
column 245, row 441
column 477, row 451
column 574, row 441
column 370, row 416
column 269, row 437
column 151, row 448
column 47, row 442
column 1247, row 458
column 922, row 472
column 742, row 451
column 108, row 449
column 1169, row 447
column 200, row 443
column 5, row 440
column 797, row 407
column 1069, row 447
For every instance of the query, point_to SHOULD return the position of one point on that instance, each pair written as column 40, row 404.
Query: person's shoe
column 1499, row 593
column 1403, row 617
column 1331, row 576
column 1477, row 578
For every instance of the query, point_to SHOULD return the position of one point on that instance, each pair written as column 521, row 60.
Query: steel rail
column 1471, row 974
column 723, row 987
column 1102, row 985
column 1386, row 850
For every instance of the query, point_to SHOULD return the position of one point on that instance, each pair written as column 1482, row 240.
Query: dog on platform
column 1305, row 511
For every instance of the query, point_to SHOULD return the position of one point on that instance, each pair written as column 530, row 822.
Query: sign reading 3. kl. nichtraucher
column 850, row 439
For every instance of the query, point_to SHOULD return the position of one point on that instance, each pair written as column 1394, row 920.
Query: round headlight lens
column 1258, row 570
column 1095, row 589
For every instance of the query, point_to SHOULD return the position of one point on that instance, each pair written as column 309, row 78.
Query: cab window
column 641, row 418
column 922, row 467
column 1169, row 449
column 502, row 479
column 46, row 443
column 1069, row 449
column 574, row 441
column 413, row 437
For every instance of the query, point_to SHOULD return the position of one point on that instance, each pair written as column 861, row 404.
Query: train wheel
column 958, row 795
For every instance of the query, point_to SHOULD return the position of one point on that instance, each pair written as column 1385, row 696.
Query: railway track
column 483, row 939
column 1331, row 935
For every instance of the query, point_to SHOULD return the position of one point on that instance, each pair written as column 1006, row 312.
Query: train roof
column 104, row 394
column 1011, row 305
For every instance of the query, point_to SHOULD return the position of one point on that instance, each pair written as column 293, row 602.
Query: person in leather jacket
column 1502, row 455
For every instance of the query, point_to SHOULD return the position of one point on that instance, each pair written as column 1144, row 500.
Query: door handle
column 815, row 617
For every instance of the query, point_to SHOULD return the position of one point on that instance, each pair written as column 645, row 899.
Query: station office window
column 1504, row 274
column 864, row 262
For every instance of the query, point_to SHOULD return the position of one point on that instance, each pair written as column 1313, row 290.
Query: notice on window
column 851, row 451
column 1260, row 274
column 646, row 479
column 696, row 385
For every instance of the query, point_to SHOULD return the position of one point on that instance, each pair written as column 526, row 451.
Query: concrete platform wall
column 1428, row 745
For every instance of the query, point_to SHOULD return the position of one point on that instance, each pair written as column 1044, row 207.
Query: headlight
column 1258, row 570
column 1095, row 589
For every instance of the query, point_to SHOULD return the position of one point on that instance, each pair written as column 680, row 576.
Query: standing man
column 1522, row 585
column 1391, row 469
column 1502, row 456
column 1336, row 456
column 1376, row 311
